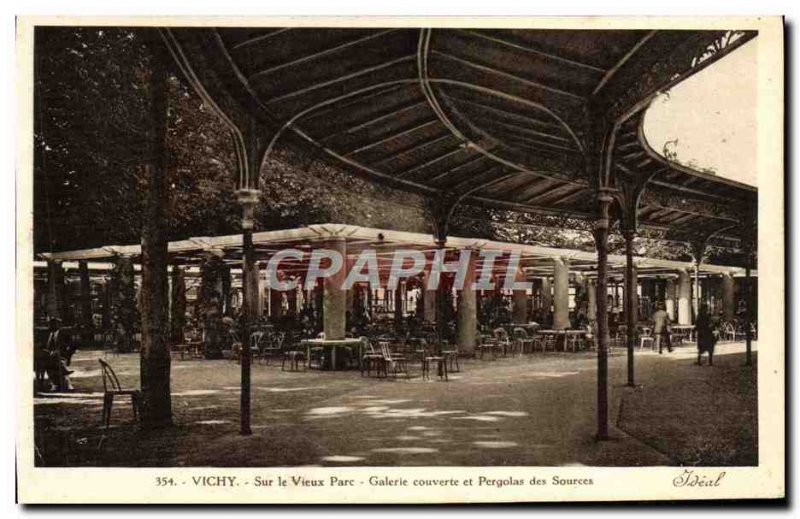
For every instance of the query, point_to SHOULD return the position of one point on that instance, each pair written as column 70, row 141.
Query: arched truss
column 501, row 116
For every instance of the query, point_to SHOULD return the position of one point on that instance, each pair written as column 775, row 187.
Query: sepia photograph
column 384, row 260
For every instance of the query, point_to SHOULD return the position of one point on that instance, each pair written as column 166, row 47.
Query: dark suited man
column 661, row 328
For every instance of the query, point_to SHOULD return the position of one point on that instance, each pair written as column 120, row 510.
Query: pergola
column 539, row 121
column 534, row 262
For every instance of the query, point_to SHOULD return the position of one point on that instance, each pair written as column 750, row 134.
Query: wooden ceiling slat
column 322, row 84
column 537, row 136
column 320, row 54
column 506, row 75
column 400, row 133
column 540, row 198
column 428, row 163
column 486, row 106
column 451, row 171
column 531, row 50
column 384, row 116
column 470, row 183
column 260, row 38
column 411, row 149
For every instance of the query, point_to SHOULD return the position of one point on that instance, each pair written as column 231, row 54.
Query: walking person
column 706, row 336
column 661, row 328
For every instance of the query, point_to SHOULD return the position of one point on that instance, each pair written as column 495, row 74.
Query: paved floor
column 533, row 410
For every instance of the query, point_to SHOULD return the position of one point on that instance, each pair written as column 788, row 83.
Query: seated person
column 57, row 355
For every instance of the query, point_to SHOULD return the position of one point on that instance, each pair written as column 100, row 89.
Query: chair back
column 385, row 350
column 109, row 377
column 255, row 340
column 729, row 329
column 369, row 346
column 520, row 333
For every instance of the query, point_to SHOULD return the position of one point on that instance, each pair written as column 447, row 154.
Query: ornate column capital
column 248, row 198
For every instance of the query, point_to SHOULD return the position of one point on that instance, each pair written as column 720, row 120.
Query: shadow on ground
column 533, row 410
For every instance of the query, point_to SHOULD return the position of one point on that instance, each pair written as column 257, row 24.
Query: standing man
column 661, row 328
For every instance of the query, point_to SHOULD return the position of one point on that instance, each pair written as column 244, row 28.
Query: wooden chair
column 112, row 388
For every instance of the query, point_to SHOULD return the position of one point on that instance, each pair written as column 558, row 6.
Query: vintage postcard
column 400, row 260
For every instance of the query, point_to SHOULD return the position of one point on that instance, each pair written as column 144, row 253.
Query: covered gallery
column 546, row 122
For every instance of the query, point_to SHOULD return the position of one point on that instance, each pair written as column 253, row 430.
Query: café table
column 565, row 337
column 333, row 345
column 683, row 330
column 572, row 337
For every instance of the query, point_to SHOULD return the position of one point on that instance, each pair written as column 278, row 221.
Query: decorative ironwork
column 439, row 211
column 662, row 199
column 636, row 85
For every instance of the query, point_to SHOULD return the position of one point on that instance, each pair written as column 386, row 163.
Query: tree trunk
column 178, row 308
column 156, row 408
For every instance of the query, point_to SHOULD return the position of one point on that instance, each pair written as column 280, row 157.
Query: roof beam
column 538, row 198
column 518, row 142
column 531, row 50
column 659, row 213
column 683, row 219
column 453, row 170
column 480, row 176
column 263, row 37
column 316, row 55
column 339, row 79
column 688, row 190
column 527, row 132
column 628, row 55
column 504, row 113
column 392, row 136
column 569, row 196
column 375, row 120
column 507, row 75
column 410, row 149
column 430, row 162
column 354, row 101
column 537, row 189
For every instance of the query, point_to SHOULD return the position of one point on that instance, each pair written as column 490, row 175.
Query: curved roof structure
column 505, row 118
